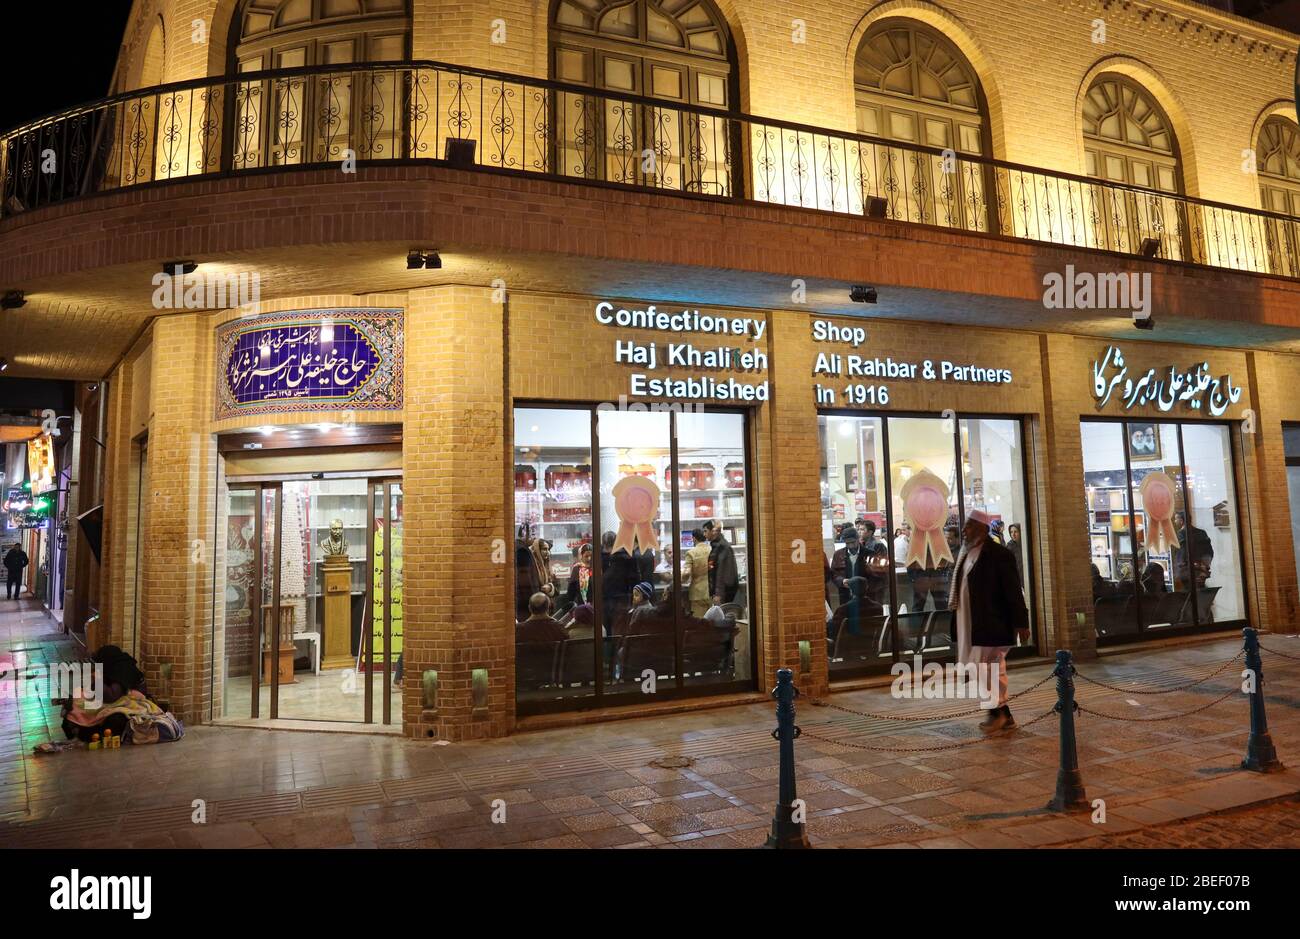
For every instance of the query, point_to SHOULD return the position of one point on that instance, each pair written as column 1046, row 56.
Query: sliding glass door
column 312, row 624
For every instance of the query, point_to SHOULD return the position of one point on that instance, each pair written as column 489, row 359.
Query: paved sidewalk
column 703, row 779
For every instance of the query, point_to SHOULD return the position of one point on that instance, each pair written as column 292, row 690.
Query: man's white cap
column 975, row 515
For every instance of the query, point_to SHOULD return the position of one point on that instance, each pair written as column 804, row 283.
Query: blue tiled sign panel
column 313, row 360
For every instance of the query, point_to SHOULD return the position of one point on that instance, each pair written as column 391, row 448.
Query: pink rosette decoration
column 925, row 505
column 1159, row 495
column 636, row 502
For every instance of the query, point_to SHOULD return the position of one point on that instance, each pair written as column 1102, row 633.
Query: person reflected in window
column 1101, row 587
column 1194, row 546
column 1153, row 578
column 579, row 589
column 879, row 569
column 540, row 625
column 724, row 576
column 849, row 562
column 853, row 611
column 695, row 567
column 583, row 624
column 620, row 575
column 1016, row 547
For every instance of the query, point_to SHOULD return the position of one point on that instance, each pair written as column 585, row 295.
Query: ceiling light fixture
column 863, row 294
column 414, row 261
column 13, row 300
column 186, row 267
column 4, row 364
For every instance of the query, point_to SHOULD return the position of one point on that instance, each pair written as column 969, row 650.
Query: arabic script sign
column 1162, row 387
column 310, row 360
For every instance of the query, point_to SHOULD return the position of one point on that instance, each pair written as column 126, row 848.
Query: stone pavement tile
column 948, row 842
column 830, row 799
column 229, row 835
column 591, row 821
column 858, row 778
column 713, row 766
column 652, row 774
column 750, row 837
column 569, row 804
column 1051, row 831
column 308, row 830
column 975, row 774
column 632, row 794
column 679, row 825
column 990, row 838
column 973, row 801
column 532, row 829
column 677, row 787
column 1177, row 808
column 1242, row 789
column 710, row 841
column 560, row 841
column 655, row 811
column 415, row 844
column 926, row 782
column 442, row 807
column 1142, row 813
column 736, row 780
column 609, row 837
column 724, row 817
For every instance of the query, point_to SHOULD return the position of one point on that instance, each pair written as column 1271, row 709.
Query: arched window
column 272, row 34
column 318, row 118
column 1278, row 160
column 912, row 85
column 155, row 54
column 1128, row 138
column 677, row 51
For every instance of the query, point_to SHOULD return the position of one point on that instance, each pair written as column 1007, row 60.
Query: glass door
column 313, row 623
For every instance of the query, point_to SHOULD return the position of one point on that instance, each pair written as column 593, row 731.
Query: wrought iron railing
column 409, row 111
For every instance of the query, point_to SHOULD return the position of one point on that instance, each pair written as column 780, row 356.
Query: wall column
column 455, row 490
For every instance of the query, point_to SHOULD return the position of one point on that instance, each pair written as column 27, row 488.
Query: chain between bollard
column 950, row 746
column 916, row 718
column 1219, row 671
column 1148, row 720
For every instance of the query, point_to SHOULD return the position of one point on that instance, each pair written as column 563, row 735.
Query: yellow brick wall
column 1216, row 75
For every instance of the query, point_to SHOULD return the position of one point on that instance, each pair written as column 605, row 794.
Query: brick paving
column 704, row 779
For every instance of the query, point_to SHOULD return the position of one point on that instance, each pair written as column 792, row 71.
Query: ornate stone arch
column 958, row 36
column 680, row 50
column 1275, row 139
column 1142, row 76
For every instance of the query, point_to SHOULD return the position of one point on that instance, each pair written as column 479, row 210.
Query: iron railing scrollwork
column 407, row 111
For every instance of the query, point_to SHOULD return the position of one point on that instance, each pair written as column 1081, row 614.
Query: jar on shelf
column 735, row 475
column 525, row 478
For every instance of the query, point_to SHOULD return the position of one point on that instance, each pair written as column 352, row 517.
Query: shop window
column 888, row 599
column 1162, row 527
column 632, row 568
column 1291, row 437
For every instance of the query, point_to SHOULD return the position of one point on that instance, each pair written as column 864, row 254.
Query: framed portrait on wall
column 852, row 479
column 870, row 475
column 1143, row 439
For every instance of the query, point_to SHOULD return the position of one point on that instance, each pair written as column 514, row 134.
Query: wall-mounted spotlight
column 186, row 267
column 1150, row 247
column 418, row 259
column 863, row 294
column 1144, row 321
column 4, row 364
column 13, row 300
column 877, row 207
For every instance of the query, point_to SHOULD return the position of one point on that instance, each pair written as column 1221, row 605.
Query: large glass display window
column 1163, row 529
column 632, row 555
column 895, row 490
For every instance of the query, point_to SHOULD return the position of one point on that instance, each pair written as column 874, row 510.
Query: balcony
column 424, row 111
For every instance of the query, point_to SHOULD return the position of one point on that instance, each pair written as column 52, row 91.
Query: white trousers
column 991, row 657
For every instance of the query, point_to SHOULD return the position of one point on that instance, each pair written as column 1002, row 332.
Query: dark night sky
column 56, row 55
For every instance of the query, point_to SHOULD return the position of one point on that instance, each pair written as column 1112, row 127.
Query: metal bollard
column 786, row 832
column 1069, row 781
column 1261, row 755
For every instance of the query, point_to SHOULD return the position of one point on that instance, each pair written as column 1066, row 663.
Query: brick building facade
column 529, row 247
